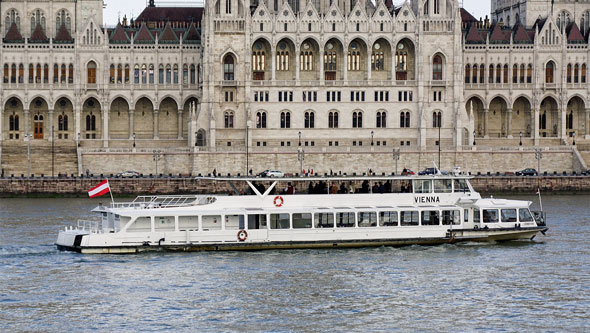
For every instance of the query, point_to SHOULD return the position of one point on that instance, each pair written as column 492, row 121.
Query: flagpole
column 540, row 201
column 111, row 193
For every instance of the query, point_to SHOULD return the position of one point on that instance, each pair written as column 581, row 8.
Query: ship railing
column 165, row 201
column 539, row 217
column 90, row 226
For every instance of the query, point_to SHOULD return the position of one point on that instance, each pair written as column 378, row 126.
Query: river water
column 541, row 286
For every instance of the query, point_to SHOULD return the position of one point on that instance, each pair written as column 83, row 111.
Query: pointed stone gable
column 574, row 35
column 38, row 35
column 63, row 35
column 168, row 35
column 119, row 36
column 192, row 35
column 498, row 35
column 144, row 36
column 520, row 34
column 474, row 36
column 13, row 35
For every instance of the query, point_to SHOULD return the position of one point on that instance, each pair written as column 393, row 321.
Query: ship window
column 279, row 221
column 211, row 222
column 142, row 224
column 490, row 216
column 461, row 185
column 422, row 186
column 508, row 215
column 367, row 219
column 451, row 217
column 234, row 222
column 409, row 218
column 524, row 215
column 476, row 216
column 443, row 186
column 257, row 221
column 324, row 220
column 188, row 223
column 466, row 215
column 388, row 219
column 430, row 217
column 164, row 223
column 301, row 220
column 345, row 220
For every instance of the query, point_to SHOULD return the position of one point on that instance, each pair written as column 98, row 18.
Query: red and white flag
column 100, row 189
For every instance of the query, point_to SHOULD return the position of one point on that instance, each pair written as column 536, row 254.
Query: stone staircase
column 14, row 158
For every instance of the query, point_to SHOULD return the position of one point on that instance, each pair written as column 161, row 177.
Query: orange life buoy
column 278, row 201
column 242, row 235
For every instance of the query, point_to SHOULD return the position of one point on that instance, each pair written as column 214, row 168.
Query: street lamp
column 396, row 156
column 474, row 137
column 372, row 133
column 299, row 138
column 521, row 138
column 538, row 157
column 133, row 139
column 156, row 159
column 78, row 139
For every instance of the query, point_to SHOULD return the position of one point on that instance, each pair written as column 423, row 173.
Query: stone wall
column 151, row 186
column 359, row 162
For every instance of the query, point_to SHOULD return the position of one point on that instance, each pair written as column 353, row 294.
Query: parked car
column 272, row 174
column 527, row 172
column 407, row 172
column 128, row 174
column 427, row 171
column 586, row 172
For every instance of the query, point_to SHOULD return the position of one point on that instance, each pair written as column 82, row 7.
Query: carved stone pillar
column 51, row 125
column 179, row 125
column 156, row 132
column 509, row 125
column 131, row 123
column 486, row 120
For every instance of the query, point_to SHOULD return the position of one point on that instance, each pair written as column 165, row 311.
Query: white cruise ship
column 423, row 210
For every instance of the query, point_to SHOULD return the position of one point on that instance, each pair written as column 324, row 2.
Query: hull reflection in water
column 428, row 210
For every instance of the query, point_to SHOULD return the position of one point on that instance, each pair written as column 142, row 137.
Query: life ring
column 278, row 201
column 242, row 235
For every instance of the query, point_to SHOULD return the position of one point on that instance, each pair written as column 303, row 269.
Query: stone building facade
column 353, row 79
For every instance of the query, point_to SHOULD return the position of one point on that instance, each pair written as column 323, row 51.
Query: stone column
column 345, row 65
column 486, row 119
column 27, row 121
column 536, row 126
column 393, row 78
column 77, row 122
column 179, row 126
column 105, row 127
column 322, row 69
column 369, row 64
column 1, row 126
column 586, row 125
column 509, row 125
column 273, row 58
column 297, row 63
column 51, row 125
column 156, row 113
column 562, row 123
column 131, row 123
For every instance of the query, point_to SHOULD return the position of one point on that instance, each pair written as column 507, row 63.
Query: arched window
column 515, row 73
column 184, row 74
column 569, row 120
column 309, row 120
column 37, row 18
column 505, row 79
column 354, row 60
column 21, row 73
column 31, row 73
column 585, row 23
column 491, row 74
column 404, row 119
column 522, row 71
column 498, row 73
column 38, row 74
column 282, row 60
column 306, row 60
column 577, row 73
column 63, row 17
column 381, row 121
column 437, row 68
column 193, row 75
column 143, row 74
column 229, row 119
column 529, row 74
column 285, row 119
column 127, row 76
column 357, row 120
column 91, row 72
column 474, row 74
column 71, row 74
column 333, row 120
column 168, row 74
column 175, row 68
column 583, row 74
column 377, row 61
column 467, row 73
column 161, row 74
column 569, row 73
column 201, row 138
column 261, row 120
column 549, row 71
column 330, row 61
column 228, row 6
column 12, row 17
column 563, row 19
column 259, row 60
column 228, row 68
column 436, row 119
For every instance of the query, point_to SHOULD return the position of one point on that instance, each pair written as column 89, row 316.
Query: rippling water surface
column 544, row 285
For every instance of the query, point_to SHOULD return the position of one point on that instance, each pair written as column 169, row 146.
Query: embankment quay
column 15, row 187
